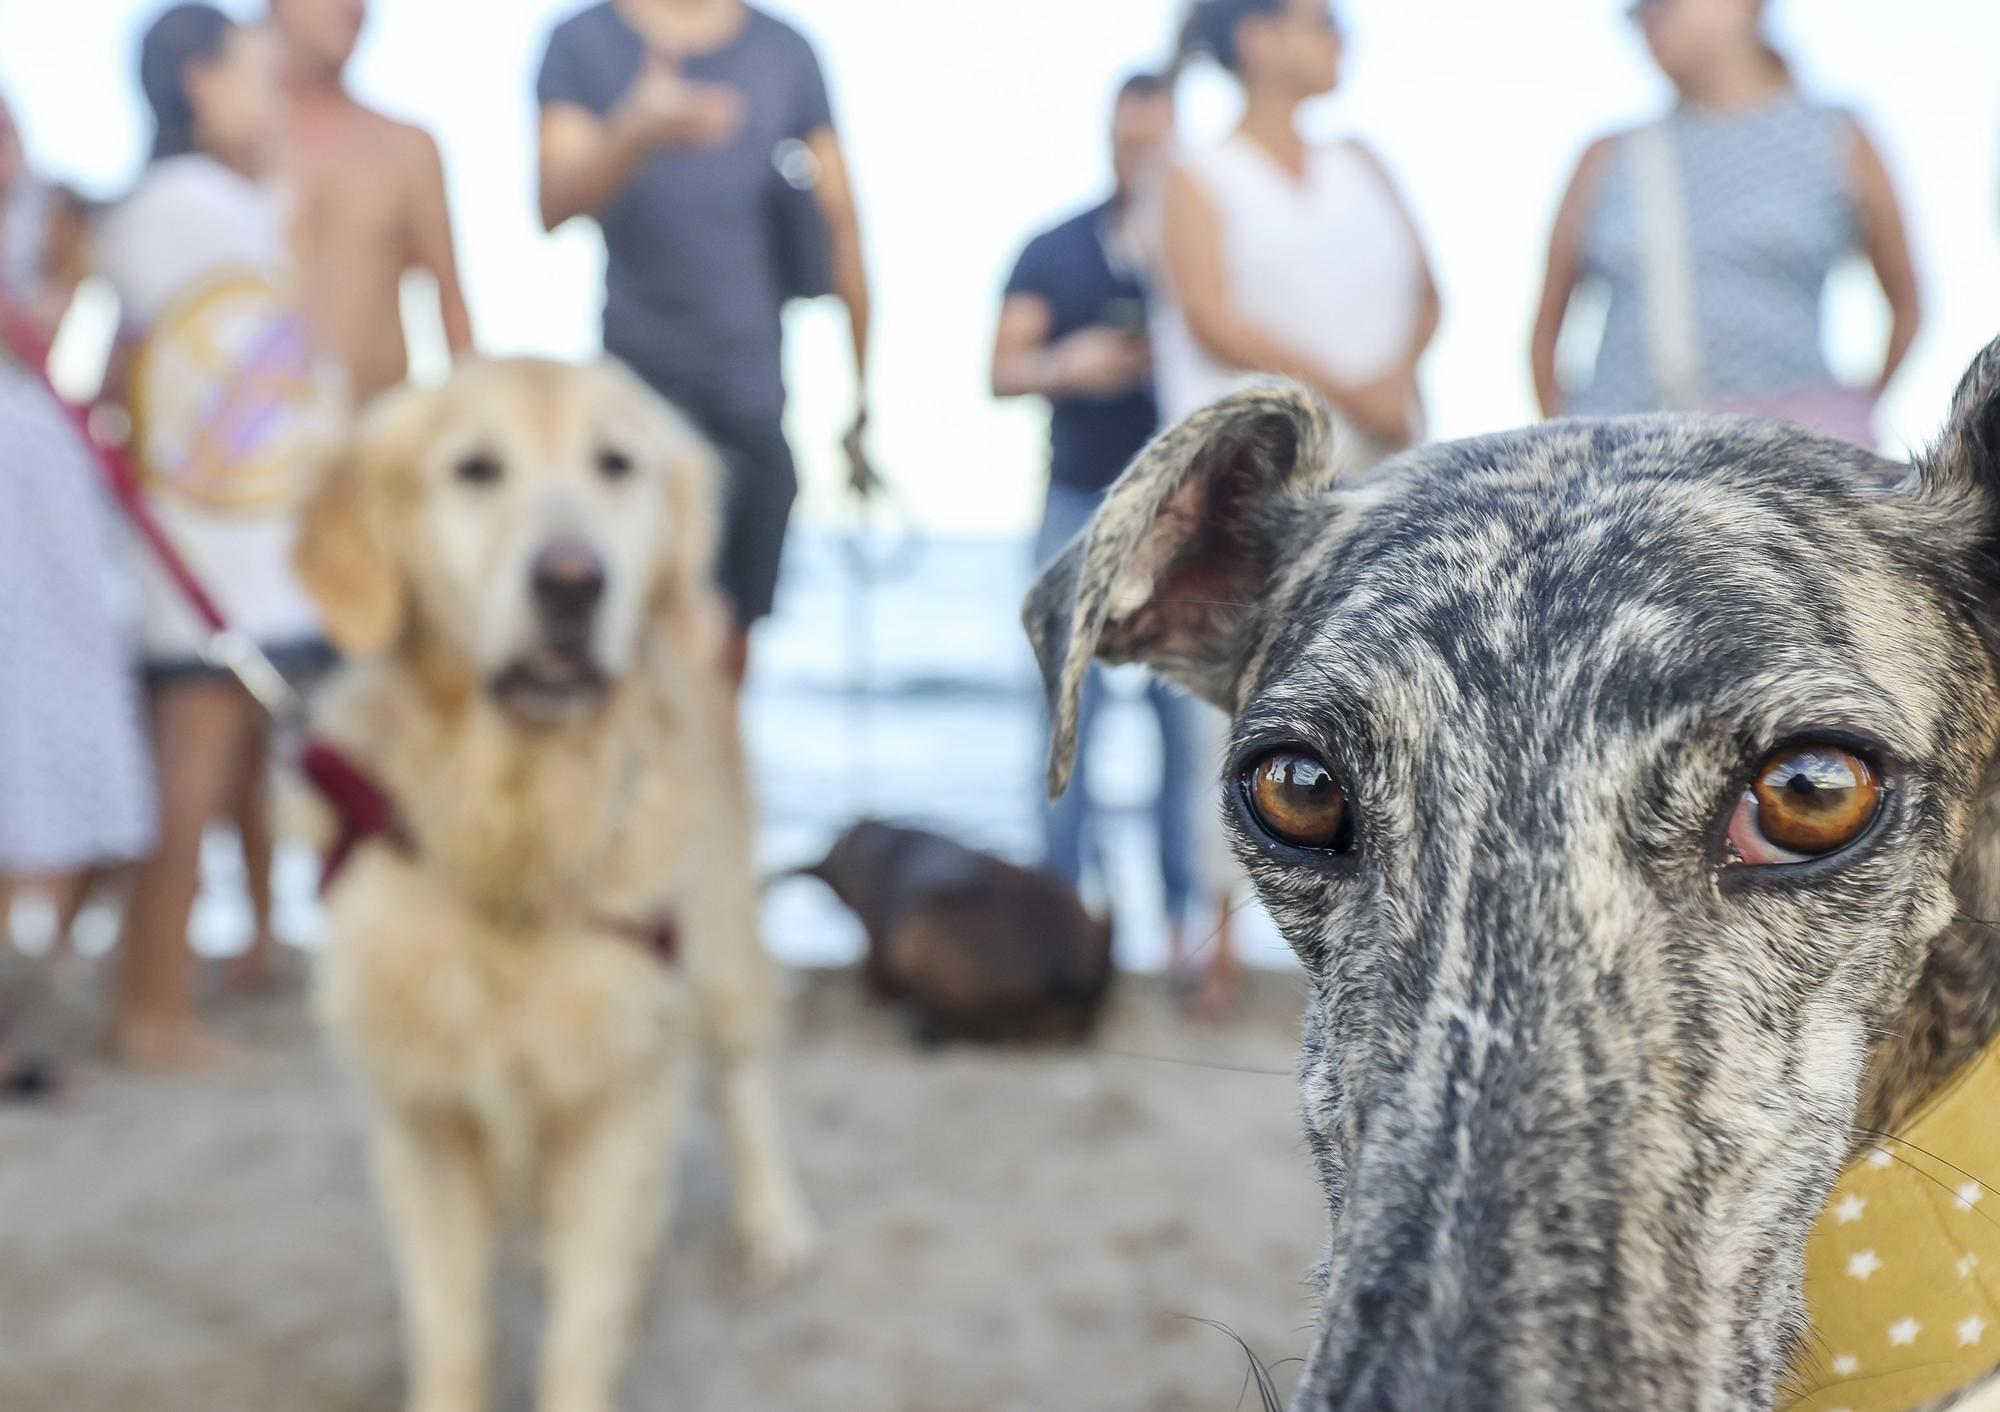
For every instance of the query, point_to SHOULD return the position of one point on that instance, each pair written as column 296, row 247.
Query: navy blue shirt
column 1071, row 270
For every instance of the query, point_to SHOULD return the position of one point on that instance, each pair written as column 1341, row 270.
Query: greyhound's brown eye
column 613, row 465
column 478, row 469
column 1807, row 801
column 1296, row 799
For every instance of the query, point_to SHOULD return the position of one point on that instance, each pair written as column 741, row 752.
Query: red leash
column 226, row 648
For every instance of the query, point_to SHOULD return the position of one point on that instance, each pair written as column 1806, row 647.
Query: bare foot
column 1215, row 999
column 175, row 1047
column 255, row 970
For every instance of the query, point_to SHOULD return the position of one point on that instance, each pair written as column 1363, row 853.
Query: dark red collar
column 362, row 808
column 365, row 812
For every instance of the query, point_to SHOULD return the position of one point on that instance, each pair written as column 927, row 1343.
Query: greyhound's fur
column 1577, row 1084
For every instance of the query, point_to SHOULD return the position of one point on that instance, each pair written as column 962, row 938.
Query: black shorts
column 303, row 662
column 760, row 482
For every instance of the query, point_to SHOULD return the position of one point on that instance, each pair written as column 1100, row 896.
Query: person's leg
column 251, row 809
column 761, row 482
column 71, row 893
column 1184, row 788
column 199, row 728
column 1220, row 880
column 1067, row 820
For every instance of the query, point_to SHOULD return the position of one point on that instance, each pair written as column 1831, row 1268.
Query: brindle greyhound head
column 1625, row 788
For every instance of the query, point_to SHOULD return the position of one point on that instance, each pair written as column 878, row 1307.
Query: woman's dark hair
column 184, row 36
column 1211, row 29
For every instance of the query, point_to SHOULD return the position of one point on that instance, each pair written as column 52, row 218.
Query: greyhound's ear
column 1966, row 459
column 1177, row 561
column 343, row 555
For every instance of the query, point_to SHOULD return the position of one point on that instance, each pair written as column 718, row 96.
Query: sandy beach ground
column 1005, row 1231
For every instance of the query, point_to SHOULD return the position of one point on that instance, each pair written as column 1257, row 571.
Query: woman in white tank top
column 1282, row 257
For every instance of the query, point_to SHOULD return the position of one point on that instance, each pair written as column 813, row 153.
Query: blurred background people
column 368, row 207
column 682, row 127
column 75, row 782
column 371, row 201
column 1073, row 331
column 1283, row 256
column 1713, row 232
column 232, row 396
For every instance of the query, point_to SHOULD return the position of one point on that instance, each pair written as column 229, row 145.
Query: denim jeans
column 1069, row 823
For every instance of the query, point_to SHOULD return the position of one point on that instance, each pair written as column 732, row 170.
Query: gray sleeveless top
column 1771, row 211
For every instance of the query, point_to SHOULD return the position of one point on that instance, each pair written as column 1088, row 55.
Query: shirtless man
column 372, row 203
column 371, row 208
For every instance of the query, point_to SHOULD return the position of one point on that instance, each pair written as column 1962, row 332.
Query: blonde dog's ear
column 344, row 556
column 691, row 609
column 684, row 600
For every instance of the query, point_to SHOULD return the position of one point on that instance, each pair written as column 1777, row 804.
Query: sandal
column 30, row 1080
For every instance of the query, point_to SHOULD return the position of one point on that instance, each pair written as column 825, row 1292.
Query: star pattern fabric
column 1903, row 1269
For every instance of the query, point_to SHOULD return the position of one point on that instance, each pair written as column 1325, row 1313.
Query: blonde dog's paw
column 779, row 1240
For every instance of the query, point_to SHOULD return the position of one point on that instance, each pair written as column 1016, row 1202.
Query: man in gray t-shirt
column 663, row 120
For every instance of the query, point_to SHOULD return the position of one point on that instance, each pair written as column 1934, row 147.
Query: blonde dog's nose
column 567, row 579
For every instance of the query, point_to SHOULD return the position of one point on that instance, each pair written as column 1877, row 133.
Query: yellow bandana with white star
column 1903, row 1269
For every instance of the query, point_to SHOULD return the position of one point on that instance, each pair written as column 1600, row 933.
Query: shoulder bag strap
column 1666, row 268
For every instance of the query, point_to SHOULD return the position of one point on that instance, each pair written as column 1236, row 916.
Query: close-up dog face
column 528, row 518
column 1611, row 781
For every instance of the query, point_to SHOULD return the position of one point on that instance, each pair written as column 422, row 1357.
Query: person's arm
column 586, row 160
column 1886, row 240
column 1565, row 272
column 1022, row 366
column 1090, row 363
column 1195, row 268
column 1430, row 304
column 431, row 242
column 850, row 268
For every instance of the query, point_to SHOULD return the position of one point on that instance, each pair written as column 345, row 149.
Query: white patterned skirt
column 76, row 783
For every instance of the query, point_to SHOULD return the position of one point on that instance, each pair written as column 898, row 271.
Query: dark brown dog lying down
column 975, row 947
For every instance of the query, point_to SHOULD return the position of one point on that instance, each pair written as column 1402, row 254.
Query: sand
column 1005, row 1231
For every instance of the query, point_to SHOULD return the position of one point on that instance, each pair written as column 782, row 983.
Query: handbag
column 802, row 244
column 1673, row 339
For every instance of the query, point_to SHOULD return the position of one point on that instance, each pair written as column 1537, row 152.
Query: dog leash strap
column 226, row 648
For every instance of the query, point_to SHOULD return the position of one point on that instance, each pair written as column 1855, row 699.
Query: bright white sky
column 970, row 122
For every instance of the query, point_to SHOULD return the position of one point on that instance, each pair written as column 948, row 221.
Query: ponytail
column 184, row 36
column 1211, row 28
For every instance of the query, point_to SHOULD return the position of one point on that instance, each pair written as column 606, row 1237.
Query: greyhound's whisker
column 1197, row 1063
column 1932, row 1178
column 1235, row 909
column 1267, row 1390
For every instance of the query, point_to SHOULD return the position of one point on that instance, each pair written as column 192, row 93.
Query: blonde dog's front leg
column 772, row 1218
column 604, row 1199
column 441, row 1209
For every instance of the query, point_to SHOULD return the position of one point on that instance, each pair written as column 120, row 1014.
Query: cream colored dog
column 518, row 565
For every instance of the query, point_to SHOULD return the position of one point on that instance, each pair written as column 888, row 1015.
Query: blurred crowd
column 258, row 262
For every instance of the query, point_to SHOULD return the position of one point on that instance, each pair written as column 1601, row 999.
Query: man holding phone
column 1073, row 331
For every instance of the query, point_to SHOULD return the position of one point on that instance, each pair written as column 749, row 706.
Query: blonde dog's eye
column 479, row 469
column 614, row 465
column 1806, row 802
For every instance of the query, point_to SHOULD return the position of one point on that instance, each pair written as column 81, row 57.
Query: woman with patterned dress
column 1713, row 232
column 75, row 783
